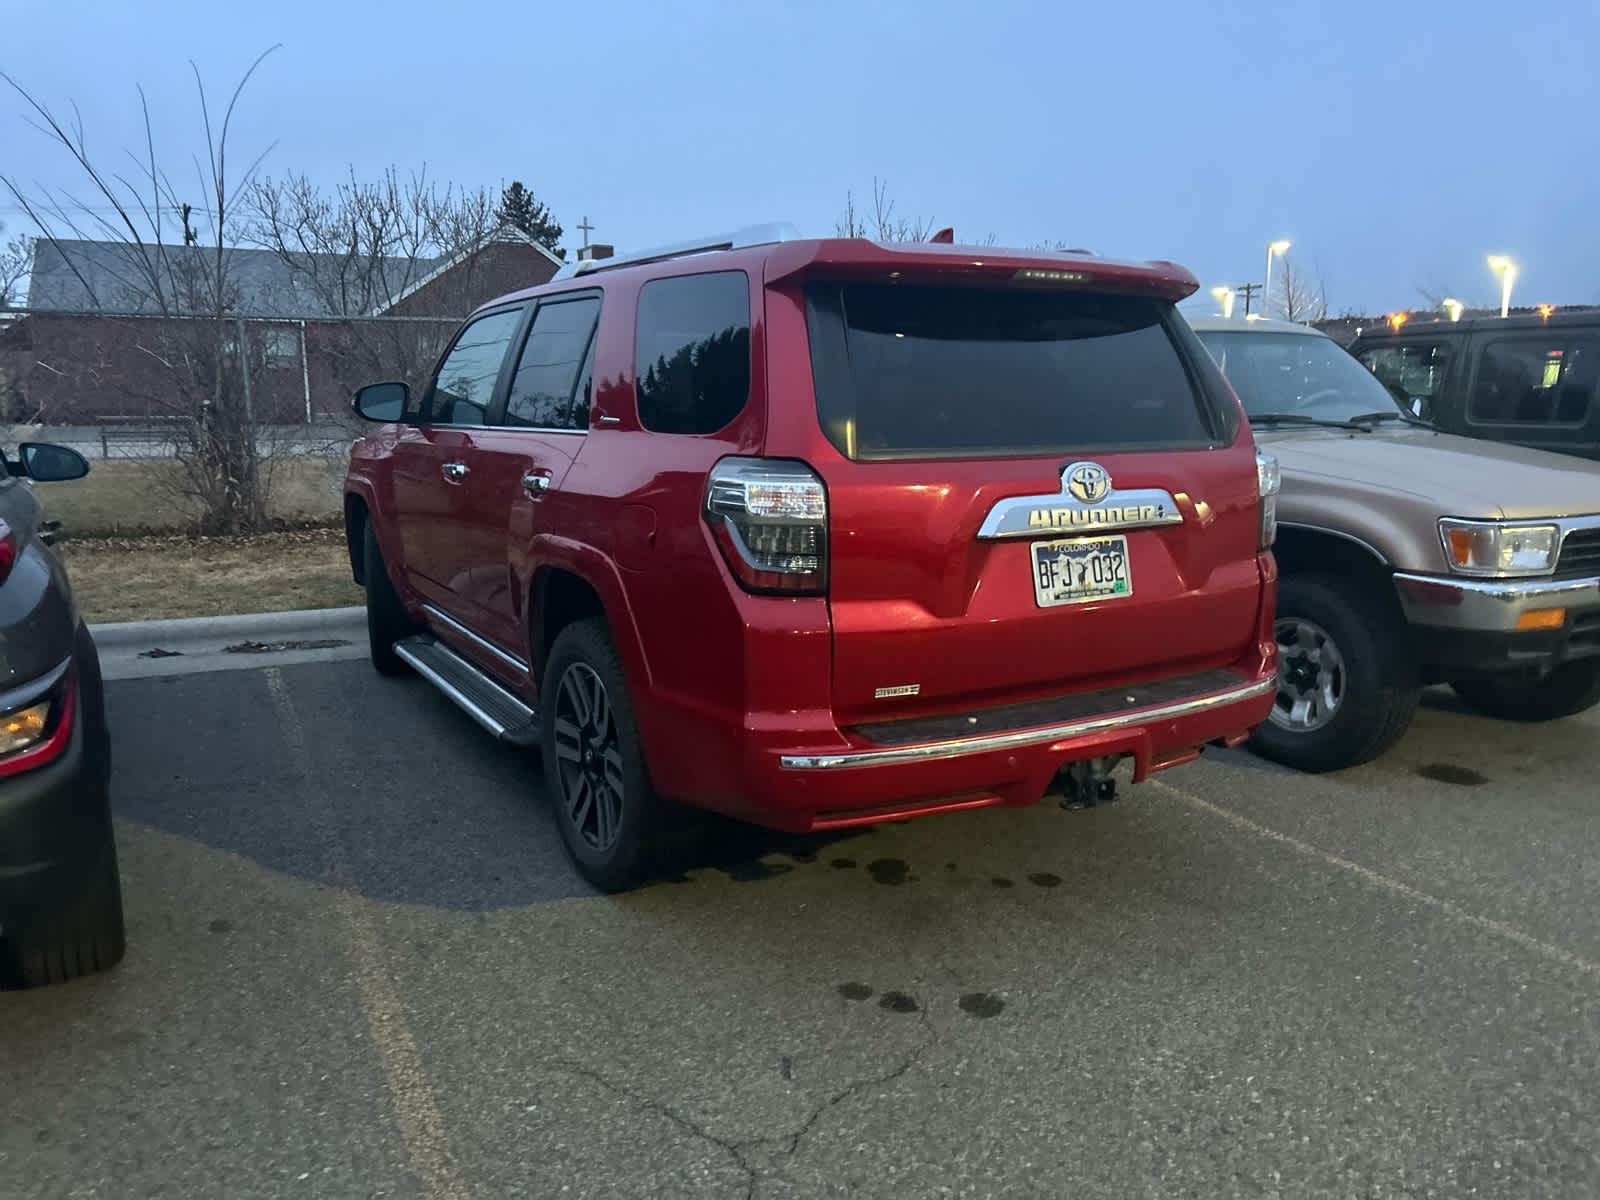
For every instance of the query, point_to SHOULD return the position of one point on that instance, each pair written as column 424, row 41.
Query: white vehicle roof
column 1250, row 324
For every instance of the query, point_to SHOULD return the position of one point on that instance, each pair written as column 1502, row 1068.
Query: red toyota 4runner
column 819, row 533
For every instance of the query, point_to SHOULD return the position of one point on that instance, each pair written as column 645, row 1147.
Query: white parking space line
column 417, row 1112
column 1499, row 929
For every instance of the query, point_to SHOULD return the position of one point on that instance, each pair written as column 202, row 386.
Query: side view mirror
column 382, row 402
column 48, row 463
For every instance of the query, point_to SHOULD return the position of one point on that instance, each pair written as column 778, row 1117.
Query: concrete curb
column 193, row 645
column 297, row 625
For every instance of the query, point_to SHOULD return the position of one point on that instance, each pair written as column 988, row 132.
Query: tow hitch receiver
column 1088, row 783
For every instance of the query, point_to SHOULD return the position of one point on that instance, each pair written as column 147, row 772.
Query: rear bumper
column 1475, row 625
column 803, row 789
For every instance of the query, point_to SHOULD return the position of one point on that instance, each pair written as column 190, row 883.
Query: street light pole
column 1225, row 294
column 1277, row 247
column 1454, row 307
column 1508, row 272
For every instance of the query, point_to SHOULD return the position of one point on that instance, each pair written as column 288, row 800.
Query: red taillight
column 57, row 732
column 769, row 518
column 8, row 550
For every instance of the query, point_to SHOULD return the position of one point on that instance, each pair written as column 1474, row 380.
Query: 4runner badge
column 1086, row 501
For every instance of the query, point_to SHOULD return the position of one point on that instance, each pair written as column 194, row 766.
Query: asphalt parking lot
column 360, row 966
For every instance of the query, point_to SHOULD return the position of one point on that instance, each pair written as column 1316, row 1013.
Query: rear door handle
column 536, row 484
column 455, row 471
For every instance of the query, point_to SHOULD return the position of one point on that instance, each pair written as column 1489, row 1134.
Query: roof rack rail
column 750, row 235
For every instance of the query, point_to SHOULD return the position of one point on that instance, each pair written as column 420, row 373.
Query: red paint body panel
column 725, row 683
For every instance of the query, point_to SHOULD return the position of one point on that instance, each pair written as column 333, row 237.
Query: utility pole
column 1247, row 290
column 190, row 237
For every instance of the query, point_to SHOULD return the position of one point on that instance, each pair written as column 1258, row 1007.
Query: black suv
column 1527, row 379
column 60, row 894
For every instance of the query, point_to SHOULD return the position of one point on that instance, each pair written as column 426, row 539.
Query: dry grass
column 152, row 578
column 126, row 497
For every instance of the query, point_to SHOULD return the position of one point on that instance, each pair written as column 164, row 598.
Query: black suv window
column 918, row 371
column 543, row 391
column 464, row 387
column 692, row 346
column 1415, row 370
column 1535, row 381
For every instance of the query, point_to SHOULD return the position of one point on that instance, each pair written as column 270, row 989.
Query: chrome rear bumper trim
column 955, row 747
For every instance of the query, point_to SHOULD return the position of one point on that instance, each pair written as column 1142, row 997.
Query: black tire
column 617, row 829
column 387, row 621
column 84, row 935
column 1571, row 688
column 1348, row 686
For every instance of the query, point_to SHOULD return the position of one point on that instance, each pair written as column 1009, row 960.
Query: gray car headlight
column 23, row 728
column 1499, row 548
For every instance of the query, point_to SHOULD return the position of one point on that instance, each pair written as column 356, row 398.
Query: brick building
column 108, row 333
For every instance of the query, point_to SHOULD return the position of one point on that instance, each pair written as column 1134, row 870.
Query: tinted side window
column 1416, row 370
column 465, row 384
column 693, row 352
column 543, row 393
column 1535, row 381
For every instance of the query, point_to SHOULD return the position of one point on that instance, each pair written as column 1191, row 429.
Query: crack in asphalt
column 845, row 1093
column 782, row 1146
column 732, row 1149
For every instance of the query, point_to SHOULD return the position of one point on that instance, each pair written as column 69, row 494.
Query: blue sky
column 1396, row 145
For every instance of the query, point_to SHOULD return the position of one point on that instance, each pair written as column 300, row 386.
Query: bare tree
column 188, row 290
column 366, row 245
column 1300, row 297
column 880, row 224
column 16, row 260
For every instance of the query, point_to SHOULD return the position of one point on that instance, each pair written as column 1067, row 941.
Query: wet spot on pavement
column 1000, row 881
column 982, row 1005
column 1450, row 773
column 842, row 864
column 891, row 872
column 1044, row 879
column 220, row 926
column 897, row 1002
column 854, row 991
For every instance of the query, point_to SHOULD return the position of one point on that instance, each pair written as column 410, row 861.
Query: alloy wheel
column 588, row 757
column 1311, row 676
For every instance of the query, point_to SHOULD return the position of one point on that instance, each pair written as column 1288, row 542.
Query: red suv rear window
column 924, row 371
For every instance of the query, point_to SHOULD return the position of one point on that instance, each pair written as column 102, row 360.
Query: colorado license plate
column 1077, row 570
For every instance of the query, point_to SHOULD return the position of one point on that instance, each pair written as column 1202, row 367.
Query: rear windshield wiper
column 1302, row 419
column 1392, row 414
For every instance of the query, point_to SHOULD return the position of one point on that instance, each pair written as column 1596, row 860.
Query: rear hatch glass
column 922, row 371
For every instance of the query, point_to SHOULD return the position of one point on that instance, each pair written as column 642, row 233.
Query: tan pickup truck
column 1408, row 556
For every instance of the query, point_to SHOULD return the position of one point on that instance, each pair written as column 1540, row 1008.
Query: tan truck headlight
column 1499, row 548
